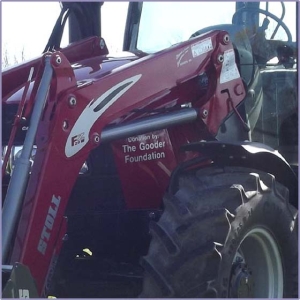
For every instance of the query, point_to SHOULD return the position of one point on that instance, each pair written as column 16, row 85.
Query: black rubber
column 196, row 239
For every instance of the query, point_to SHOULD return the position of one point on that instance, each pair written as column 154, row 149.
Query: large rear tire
column 225, row 233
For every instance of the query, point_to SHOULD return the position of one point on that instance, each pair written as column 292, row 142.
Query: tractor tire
column 226, row 233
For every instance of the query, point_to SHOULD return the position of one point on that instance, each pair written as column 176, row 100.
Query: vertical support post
column 17, row 186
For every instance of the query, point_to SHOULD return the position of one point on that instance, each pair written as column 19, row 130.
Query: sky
column 26, row 26
column 24, row 30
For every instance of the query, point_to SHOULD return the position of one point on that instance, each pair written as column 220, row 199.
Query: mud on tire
column 225, row 233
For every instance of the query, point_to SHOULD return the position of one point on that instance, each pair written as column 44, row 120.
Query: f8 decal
column 77, row 139
column 79, row 135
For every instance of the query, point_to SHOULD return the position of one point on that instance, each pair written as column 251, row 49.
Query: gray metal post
column 17, row 186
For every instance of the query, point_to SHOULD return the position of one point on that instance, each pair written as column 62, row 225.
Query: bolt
column 251, row 93
column 23, row 121
column 58, row 60
column 72, row 101
column 220, row 58
column 96, row 138
column 102, row 44
column 65, row 125
column 226, row 39
column 152, row 215
column 65, row 238
column 204, row 113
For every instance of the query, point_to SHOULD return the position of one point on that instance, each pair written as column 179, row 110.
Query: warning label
column 202, row 47
column 229, row 69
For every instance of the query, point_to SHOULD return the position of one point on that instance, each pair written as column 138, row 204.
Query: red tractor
column 169, row 170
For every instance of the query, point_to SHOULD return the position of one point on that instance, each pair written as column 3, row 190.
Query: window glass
column 164, row 24
column 283, row 10
column 113, row 21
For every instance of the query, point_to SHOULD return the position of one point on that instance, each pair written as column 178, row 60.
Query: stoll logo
column 48, row 225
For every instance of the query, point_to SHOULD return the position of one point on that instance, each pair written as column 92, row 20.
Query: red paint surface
column 145, row 164
column 162, row 84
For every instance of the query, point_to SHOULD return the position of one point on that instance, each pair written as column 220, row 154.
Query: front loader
column 167, row 170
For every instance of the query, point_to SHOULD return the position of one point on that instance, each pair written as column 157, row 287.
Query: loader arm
column 76, row 117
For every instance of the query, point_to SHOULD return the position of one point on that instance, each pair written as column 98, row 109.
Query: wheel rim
column 257, row 267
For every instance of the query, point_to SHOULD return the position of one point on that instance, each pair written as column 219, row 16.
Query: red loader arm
column 75, row 119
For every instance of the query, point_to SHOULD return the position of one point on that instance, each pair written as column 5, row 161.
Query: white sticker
column 181, row 60
column 23, row 293
column 229, row 69
column 202, row 47
column 143, row 148
column 79, row 135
